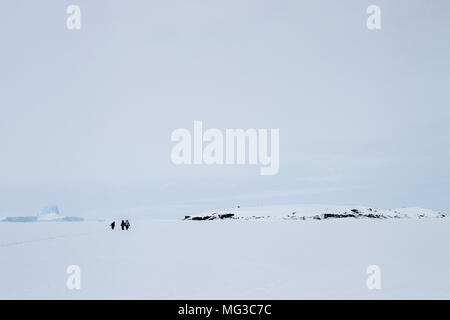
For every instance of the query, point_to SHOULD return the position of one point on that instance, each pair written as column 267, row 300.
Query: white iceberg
column 48, row 214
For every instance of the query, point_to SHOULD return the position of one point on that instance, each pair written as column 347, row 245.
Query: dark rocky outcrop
column 338, row 216
column 226, row 215
column 362, row 213
column 202, row 218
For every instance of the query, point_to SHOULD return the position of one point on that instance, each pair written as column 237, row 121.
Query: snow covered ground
column 227, row 259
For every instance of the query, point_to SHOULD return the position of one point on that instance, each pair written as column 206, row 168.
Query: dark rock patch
column 226, row 215
column 203, row 218
column 338, row 216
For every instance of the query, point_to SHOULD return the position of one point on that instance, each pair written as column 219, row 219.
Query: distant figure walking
column 127, row 224
column 123, row 224
column 113, row 224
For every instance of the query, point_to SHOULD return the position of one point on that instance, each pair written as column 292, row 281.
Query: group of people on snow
column 125, row 224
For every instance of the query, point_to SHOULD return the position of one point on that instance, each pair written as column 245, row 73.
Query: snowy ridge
column 316, row 212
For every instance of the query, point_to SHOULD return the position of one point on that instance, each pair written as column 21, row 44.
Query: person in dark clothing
column 122, row 224
column 127, row 224
column 113, row 224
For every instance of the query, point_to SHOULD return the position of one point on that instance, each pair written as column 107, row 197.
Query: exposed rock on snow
column 315, row 212
column 212, row 216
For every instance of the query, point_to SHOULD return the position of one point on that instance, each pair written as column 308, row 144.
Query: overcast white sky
column 86, row 115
